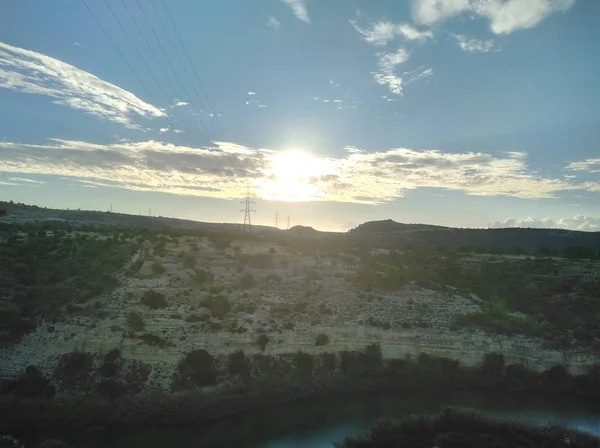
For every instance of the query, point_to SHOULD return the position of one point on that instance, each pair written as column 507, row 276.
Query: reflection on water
column 318, row 423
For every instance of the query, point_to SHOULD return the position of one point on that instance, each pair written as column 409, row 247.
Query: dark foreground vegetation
column 111, row 391
column 43, row 270
column 455, row 428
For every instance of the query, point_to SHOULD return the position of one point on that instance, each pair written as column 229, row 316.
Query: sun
column 294, row 176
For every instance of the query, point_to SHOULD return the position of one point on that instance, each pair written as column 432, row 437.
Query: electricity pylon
column 248, row 211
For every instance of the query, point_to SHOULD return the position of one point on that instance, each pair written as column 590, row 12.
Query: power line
column 171, row 65
column 213, row 110
column 127, row 63
column 183, row 65
column 146, row 63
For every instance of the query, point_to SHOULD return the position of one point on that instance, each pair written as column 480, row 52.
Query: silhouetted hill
column 391, row 234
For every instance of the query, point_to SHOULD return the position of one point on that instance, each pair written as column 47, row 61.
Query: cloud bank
column 27, row 71
column 225, row 170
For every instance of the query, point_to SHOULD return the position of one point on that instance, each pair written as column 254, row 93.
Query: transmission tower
column 288, row 223
column 248, row 211
column 277, row 219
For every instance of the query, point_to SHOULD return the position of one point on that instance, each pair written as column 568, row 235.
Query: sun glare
column 294, row 176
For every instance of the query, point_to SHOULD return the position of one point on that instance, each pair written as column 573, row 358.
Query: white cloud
column 474, row 45
column 30, row 72
column 383, row 32
column 387, row 70
column 163, row 130
column 181, row 103
column 251, row 93
column 299, row 9
column 577, row 222
column 76, row 44
column 505, row 16
column 273, row 23
column 589, row 165
column 23, row 179
column 8, row 184
column 225, row 170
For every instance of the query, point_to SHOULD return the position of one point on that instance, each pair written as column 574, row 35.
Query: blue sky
column 469, row 113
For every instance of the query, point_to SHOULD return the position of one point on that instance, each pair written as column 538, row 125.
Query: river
column 318, row 423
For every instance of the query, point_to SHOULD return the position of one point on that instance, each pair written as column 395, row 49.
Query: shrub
column 31, row 384
column 322, row 339
column 246, row 280
column 202, row 276
column 74, row 368
column 262, row 341
column 237, row 364
column 135, row 321
column 259, row 261
column 158, row 268
column 196, row 318
column 112, row 355
column 110, row 389
column 154, row 300
column 197, row 369
column 218, row 305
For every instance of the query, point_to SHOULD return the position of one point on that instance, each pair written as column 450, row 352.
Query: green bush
column 218, row 305
column 237, row 364
column 154, row 300
column 262, row 341
column 158, row 268
column 322, row 339
column 197, row 369
column 246, row 281
column 202, row 276
column 135, row 322
column 258, row 261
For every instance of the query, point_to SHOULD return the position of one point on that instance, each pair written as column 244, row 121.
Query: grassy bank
column 463, row 428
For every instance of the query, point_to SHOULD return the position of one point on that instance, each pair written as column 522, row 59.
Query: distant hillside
column 386, row 233
column 393, row 234
column 389, row 225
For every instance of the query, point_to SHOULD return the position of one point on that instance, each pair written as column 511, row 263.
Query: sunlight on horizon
column 294, row 176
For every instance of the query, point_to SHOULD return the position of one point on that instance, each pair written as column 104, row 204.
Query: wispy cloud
column 577, row 222
column 31, row 72
column 505, row 16
column 383, row 32
column 419, row 74
column 224, row 171
column 23, row 179
column 251, row 93
column 589, row 165
column 273, row 23
column 76, row 44
column 386, row 76
column 299, row 9
column 474, row 45
column 181, row 103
